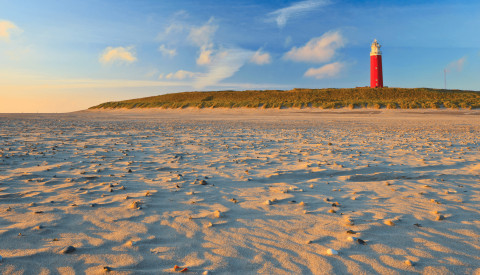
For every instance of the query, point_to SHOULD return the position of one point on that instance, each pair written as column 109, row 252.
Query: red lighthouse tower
column 376, row 74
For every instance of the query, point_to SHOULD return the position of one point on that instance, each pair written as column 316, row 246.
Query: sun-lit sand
column 240, row 191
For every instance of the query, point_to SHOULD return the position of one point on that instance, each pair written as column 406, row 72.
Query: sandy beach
column 297, row 191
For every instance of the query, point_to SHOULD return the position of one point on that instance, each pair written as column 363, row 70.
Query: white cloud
column 260, row 58
column 167, row 52
column 218, row 64
column 172, row 33
column 223, row 65
column 118, row 55
column 326, row 71
column 281, row 16
column 181, row 13
column 7, row 28
column 174, row 27
column 182, row 74
column 202, row 36
column 205, row 56
column 318, row 49
column 456, row 65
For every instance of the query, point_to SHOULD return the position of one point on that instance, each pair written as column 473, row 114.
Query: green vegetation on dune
column 393, row 98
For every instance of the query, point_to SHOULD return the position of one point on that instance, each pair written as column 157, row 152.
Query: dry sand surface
column 240, row 192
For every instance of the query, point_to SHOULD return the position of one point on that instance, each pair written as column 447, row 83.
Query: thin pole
column 445, row 78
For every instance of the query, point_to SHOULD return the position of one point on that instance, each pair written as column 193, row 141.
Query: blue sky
column 59, row 56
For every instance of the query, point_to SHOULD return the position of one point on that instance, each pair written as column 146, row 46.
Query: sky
column 62, row 56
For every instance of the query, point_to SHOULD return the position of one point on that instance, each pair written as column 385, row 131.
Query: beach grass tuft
column 330, row 98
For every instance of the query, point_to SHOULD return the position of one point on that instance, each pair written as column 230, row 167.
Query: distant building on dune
column 376, row 73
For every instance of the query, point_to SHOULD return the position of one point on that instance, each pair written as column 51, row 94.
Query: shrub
column 328, row 105
column 391, row 106
column 208, row 98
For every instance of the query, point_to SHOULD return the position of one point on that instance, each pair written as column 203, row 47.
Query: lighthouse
column 376, row 74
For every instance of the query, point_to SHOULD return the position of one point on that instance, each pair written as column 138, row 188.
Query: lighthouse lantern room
column 376, row 74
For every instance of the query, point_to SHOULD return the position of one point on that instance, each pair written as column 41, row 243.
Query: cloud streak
column 41, row 93
column 118, row 55
column 182, row 74
column 281, row 16
column 166, row 51
column 456, row 65
column 205, row 56
column 223, row 65
column 217, row 63
column 7, row 28
column 260, row 58
column 202, row 37
column 317, row 50
column 326, row 71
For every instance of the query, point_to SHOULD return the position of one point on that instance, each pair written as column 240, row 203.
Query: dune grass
column 362, row 97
